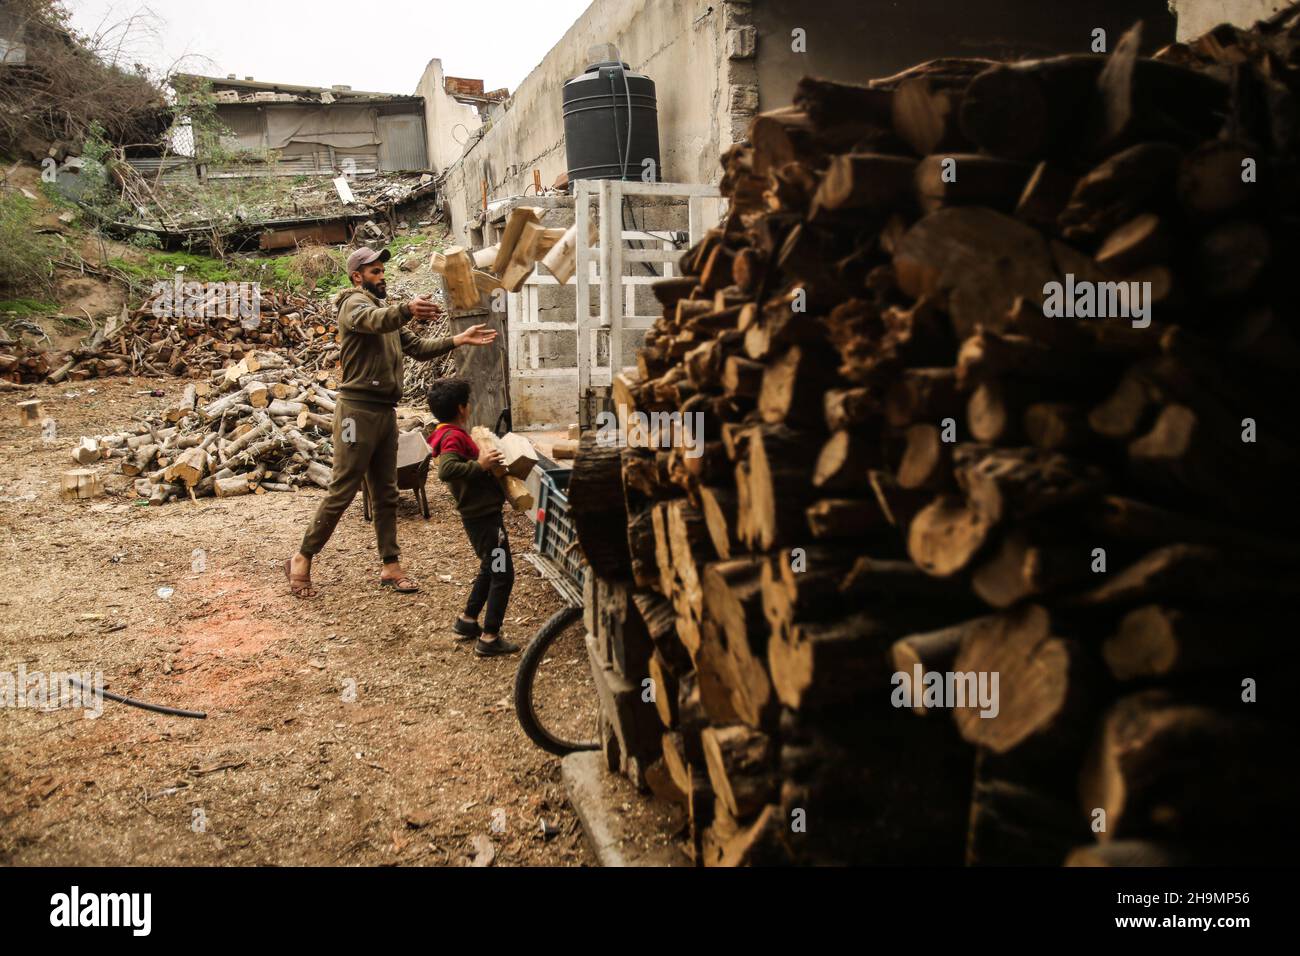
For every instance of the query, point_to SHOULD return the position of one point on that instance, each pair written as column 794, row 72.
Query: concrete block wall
column 448, row 123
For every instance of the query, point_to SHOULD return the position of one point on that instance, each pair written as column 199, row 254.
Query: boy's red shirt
column 453, row 438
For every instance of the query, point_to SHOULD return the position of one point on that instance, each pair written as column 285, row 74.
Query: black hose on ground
column 156, row 708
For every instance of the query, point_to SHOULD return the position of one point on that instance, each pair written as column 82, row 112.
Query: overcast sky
column 380, row 46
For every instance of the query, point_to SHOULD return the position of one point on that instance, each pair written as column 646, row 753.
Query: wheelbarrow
column 411, row 476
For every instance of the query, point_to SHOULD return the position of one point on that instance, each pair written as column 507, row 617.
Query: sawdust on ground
column 424, row 765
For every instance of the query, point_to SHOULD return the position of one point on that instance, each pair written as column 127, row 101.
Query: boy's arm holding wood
column 454, row 467
column 515, row 490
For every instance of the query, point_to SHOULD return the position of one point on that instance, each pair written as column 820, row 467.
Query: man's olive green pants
column 365, row 448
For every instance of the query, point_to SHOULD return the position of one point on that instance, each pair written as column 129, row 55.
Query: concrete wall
column 1199, row 16
column 858, row 40
column 448, row 124
column 680, row 44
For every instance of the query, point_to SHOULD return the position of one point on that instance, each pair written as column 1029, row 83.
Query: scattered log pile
column 257, row 426
column 174, row 335
column 916, row 476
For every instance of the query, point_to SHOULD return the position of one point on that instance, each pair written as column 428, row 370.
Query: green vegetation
column 27, row 255
column 27, row 307
column 194, row 94
column 145, row 240
column 100, row 193
column 402, row 243
column 54, row 197
column 312, row 269
column 161, row 266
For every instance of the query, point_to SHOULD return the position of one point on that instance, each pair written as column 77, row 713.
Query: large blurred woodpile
column 909, row 463
column 179, row 334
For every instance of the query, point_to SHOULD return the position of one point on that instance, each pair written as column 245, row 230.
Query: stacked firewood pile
column 918, row 476
column 22, row 362
column 257, row 426
column 418, row 376
column 171, row 335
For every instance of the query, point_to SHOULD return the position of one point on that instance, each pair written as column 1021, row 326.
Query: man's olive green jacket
column 373, row 340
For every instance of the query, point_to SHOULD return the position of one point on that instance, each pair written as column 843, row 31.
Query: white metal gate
column 540, row 394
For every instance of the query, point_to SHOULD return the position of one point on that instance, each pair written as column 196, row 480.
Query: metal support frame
column 603, row 265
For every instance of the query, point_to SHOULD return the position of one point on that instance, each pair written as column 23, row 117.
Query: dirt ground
column 425, row 765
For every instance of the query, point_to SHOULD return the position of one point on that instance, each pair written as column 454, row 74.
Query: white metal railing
column 601, row 265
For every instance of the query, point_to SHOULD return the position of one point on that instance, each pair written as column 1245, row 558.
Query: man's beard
column 378, row 289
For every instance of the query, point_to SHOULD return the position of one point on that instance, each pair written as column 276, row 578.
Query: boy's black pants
column 496, row 569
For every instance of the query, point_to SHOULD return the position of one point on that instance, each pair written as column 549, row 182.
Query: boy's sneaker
column 494, row 648
column 468, row 630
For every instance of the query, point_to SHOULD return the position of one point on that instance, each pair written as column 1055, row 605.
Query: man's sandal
column 299, row 586
column 402, row 585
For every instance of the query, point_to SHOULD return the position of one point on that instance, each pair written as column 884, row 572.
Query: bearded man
column 373, row 340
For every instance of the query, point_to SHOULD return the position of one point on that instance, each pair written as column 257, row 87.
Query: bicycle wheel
column 555, row 693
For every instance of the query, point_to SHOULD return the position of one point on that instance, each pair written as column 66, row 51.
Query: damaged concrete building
column 303, row 137
column 317, row 130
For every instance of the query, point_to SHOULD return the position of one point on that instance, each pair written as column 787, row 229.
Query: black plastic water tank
column 596, row 123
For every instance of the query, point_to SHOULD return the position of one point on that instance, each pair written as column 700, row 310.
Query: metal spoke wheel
column 555, row 693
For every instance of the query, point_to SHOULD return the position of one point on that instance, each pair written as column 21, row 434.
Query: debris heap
column 968, row 566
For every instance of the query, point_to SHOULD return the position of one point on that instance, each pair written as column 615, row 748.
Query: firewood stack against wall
column 919, row 456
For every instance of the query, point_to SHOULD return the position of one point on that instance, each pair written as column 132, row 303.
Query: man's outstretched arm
column 425, row 349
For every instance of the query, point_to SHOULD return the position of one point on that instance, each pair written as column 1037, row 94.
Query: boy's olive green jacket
column 372, row 341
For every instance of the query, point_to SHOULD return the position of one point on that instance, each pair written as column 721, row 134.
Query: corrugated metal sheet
column 289, row 166
column 302, row 160
column 402, row 143
column 175, row 168
column 360, row 161
column 247, row 126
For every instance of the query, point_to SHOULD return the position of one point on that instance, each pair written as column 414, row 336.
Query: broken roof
column 246, row 90
column 180, row 207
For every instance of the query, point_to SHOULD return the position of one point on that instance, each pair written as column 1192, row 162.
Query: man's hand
column 475, row 335
column 422, row 307
column 490, row 459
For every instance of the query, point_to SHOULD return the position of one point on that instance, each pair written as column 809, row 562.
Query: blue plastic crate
column 555, row 537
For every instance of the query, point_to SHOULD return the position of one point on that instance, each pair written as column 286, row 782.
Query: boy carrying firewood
column 467, row 471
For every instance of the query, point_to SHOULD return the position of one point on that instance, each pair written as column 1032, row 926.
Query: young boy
column 467, row 472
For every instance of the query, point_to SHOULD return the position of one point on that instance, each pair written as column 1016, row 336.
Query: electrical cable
column 613, row 93
column 627, row 88
column 627, row 209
